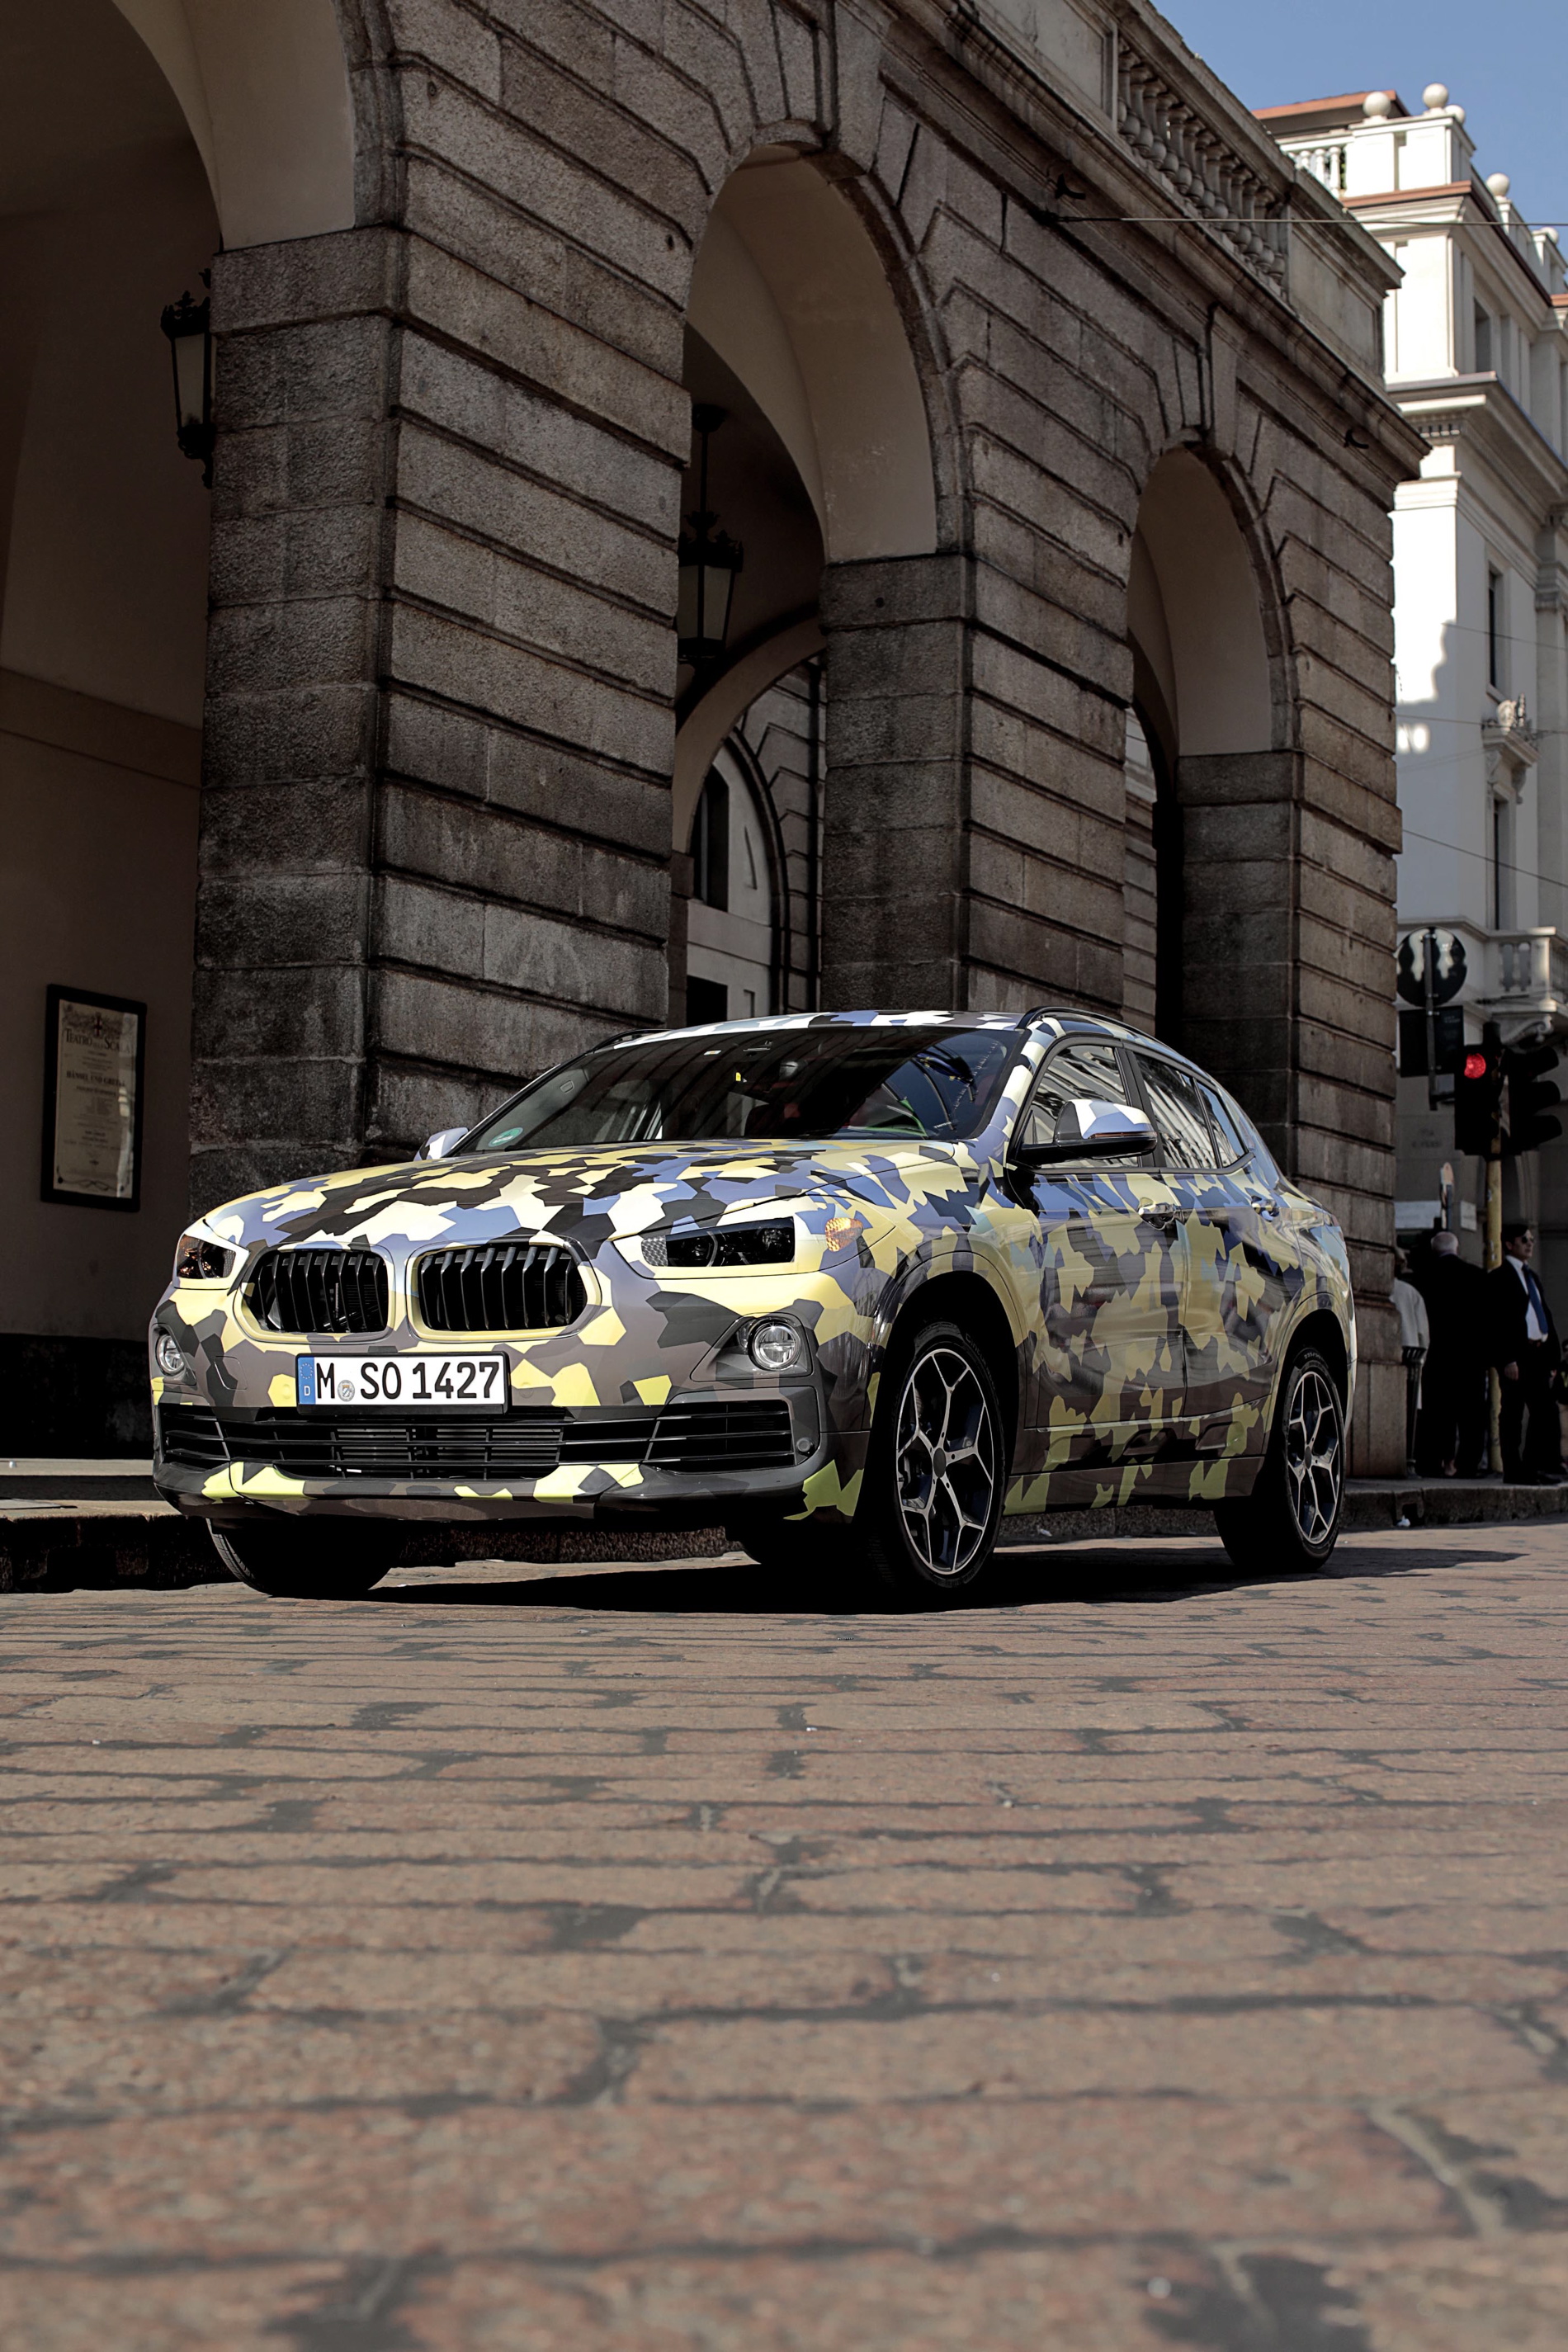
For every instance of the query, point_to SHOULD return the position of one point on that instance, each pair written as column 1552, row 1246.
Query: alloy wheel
column 1314, row 1456
column 947, row 1458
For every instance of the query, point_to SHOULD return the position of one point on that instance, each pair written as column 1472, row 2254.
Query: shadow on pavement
column 1101, row 1575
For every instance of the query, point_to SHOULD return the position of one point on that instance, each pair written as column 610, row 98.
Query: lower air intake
column 707, row 1438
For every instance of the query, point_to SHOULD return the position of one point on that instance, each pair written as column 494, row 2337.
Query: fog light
column 776, row 1345
column 169, row 1356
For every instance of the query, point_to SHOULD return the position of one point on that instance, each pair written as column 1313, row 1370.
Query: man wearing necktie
column 1527, row 1352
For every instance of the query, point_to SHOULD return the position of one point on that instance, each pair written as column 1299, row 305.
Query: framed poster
column 94, row 1050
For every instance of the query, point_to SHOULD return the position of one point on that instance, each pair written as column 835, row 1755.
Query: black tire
column 1292, row 1518
column 309, row 1559
column 922, row 1534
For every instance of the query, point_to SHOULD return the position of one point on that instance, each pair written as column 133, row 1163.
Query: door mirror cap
column 1088, row 1128
column 440, row 1145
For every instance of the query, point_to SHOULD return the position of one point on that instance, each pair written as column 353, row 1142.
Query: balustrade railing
column 1200, row 168
column 1531, row 965
column 1325, row 159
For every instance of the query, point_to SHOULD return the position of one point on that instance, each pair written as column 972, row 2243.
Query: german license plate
column 401, row 1383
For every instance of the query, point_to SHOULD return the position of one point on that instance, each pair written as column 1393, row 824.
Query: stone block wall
column 437, row 848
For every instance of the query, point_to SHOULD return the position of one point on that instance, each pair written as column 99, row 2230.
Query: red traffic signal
column 1478, row 1097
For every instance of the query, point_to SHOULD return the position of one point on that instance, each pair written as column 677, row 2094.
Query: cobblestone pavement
column 631, row 1961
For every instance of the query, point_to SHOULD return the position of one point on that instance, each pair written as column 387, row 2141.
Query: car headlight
column 169, row 1356
column 200, row 1260
column 776, row 1344
column 710, row 1245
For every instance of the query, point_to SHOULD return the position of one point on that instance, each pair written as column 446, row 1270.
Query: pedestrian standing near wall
column 1451, row 1441
column 1415, row 1339
column 1528, row 1354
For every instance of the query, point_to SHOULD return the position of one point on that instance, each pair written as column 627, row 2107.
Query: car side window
column 1227, row 1134
column 1082, row 1068
column 1176, row 1107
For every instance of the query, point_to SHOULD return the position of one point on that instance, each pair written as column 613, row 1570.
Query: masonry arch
column 1196, row 618
column 107, row 215
column 1204, row 732
column 265, row 96
column 824, row 458
column 790, row 291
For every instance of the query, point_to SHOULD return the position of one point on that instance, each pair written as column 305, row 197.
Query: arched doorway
column 137, row 139
column 822, row 459
column 106, row 215
column 1200, row 741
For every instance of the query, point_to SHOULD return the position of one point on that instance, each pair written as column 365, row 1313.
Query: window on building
column 1494, row 630
column 710, row 844
column 1483, row 340
column 706, row 1001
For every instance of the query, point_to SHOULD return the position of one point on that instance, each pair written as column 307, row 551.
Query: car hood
column 591, row 1197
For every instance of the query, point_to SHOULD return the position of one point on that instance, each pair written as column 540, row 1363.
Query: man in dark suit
column 1527, row 1353
column 1451, row 1434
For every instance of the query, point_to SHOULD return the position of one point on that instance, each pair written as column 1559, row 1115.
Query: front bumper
column 695, row 1459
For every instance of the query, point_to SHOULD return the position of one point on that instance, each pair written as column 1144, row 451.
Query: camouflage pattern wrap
column 1149, row 1314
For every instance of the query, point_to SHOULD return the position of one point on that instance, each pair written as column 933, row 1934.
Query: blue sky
column 1505, row 64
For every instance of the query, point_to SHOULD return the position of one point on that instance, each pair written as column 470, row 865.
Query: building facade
column 1042, row 414
column 1476, row 341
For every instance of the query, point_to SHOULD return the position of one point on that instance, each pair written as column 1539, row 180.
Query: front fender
column 934, row 1261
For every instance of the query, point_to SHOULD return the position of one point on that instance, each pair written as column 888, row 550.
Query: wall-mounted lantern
column 188, row 325
column 710, row 560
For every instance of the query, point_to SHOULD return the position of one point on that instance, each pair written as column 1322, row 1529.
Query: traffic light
column 1478, row 1095
column 1531, row 1093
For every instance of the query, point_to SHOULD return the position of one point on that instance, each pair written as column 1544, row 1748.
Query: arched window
column 711, row 844
column 729, row 943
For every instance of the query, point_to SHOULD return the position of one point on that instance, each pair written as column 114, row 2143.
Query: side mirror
column 439, row 1146
column 1090, row 1130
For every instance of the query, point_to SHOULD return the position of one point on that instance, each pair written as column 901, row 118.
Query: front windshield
column 772, row 1085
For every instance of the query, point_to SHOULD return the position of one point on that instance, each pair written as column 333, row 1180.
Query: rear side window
column 1084, row 1068
column 1176, row 1107
column 1223, row 1118
column 1252, row 1143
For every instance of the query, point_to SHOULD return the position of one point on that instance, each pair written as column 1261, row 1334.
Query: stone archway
column 106, row 215
column 825, row 463
column 1210, row 845
column 265, row 92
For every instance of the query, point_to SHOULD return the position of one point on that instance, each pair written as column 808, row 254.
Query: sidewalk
column 65, row 1525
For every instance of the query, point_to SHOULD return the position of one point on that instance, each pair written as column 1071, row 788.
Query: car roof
column 865, row 1019
column 1054, row 1020
column 1059, row 1019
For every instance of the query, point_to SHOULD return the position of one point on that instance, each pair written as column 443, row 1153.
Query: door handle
column 1165, row 1218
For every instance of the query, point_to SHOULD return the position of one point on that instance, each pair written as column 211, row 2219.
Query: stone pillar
column 895, row 848
column 303, row 380
column 1288, row 998
column 1238, row 877
column 436, row 834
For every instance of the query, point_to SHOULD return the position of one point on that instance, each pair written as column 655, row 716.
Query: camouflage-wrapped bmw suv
column 906, row 1273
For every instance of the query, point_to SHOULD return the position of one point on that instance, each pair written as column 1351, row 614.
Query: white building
column 1476, row 350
